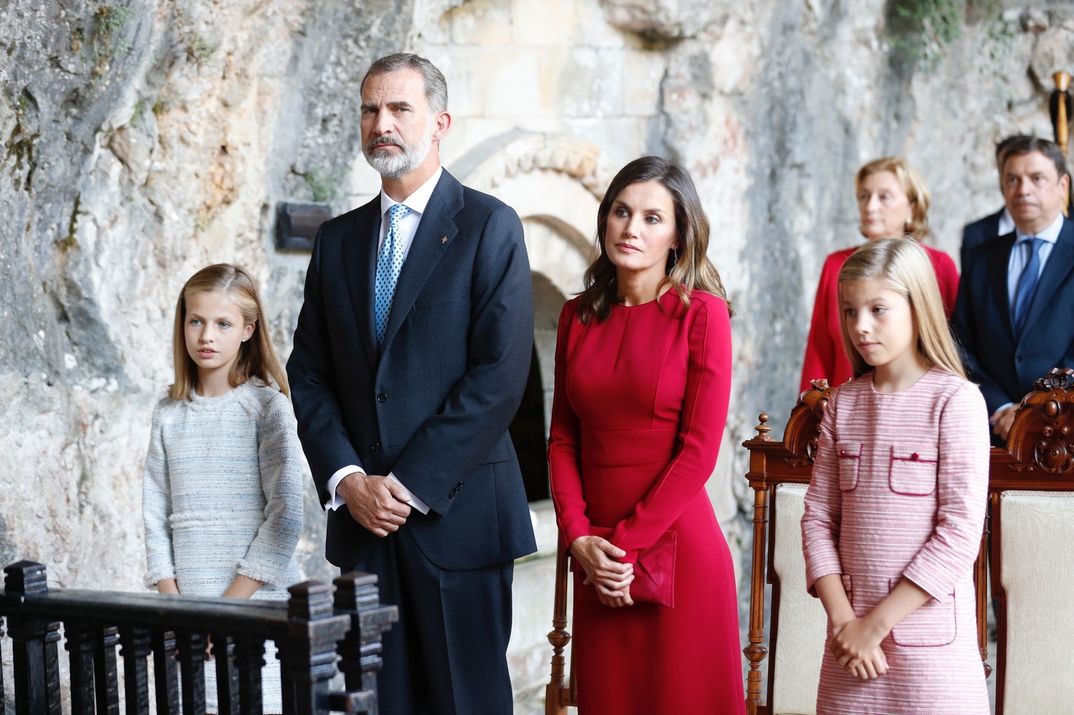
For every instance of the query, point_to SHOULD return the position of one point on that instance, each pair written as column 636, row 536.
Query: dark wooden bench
column 313, row 630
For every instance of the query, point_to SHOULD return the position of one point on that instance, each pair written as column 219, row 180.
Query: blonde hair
column 256, row 356
column 905, row 266
column 688, row 267
column 912, row 184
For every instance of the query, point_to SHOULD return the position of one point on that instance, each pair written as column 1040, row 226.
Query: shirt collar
column 418, row 200
column 1006, row 223
column 1050, row 234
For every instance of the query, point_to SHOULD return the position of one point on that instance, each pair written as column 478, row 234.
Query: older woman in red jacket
column 893, row 202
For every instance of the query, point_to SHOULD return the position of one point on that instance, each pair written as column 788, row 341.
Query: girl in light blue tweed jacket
column 222, row 492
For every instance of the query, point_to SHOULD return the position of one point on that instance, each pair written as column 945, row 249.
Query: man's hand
column 1001, row 421
column 375, row 502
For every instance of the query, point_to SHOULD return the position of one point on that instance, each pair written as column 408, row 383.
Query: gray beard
column 392, row 165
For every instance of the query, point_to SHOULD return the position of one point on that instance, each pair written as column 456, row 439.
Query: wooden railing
column 312, row 631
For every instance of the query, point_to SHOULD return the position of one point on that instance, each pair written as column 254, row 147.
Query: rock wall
column 143, row 139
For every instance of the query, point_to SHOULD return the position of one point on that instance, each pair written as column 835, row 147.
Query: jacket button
column 382, row 397
column 914, row 457
column 375, row 447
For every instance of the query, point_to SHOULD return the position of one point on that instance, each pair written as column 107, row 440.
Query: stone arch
column 554, row 182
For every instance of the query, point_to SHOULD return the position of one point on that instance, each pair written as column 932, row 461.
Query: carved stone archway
column 555, row 183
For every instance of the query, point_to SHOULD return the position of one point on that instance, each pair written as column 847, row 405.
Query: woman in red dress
column 643, row 372
column 893, row 202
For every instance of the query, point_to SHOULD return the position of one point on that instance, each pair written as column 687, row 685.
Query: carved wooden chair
column 779, row 474
column 1031, row 518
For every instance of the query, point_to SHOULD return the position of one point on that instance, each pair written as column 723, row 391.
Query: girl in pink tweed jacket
column 895, row 509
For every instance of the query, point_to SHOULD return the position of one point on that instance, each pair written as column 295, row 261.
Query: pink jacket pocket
column 849, row 454
column 913, row 470
column 931, row 625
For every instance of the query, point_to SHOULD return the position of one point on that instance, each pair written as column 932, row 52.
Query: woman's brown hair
column 688, row 268
column 256, row 355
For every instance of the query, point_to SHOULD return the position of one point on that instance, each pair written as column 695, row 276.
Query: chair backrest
column 1031, row 503
column 779, row 474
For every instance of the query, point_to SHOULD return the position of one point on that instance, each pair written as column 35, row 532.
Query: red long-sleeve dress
column 638, row 414
column 824, row 355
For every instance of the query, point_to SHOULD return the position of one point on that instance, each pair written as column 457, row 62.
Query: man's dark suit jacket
column 1006, row 365
column 977, row 234
column 433, row 403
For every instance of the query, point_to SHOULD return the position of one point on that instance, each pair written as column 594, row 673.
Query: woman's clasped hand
column 609, row 577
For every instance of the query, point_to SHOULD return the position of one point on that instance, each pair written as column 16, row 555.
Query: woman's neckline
column 665, row 290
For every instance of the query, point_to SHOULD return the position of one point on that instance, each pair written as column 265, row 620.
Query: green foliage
column 322, row 187
column 198, row 50
column 921, row 30
column 109, row 22
column 20, row 145
column 70, row 241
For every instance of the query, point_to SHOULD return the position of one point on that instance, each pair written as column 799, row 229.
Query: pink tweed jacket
column 898, row 490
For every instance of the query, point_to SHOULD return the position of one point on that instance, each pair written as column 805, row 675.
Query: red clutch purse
column 654, row 572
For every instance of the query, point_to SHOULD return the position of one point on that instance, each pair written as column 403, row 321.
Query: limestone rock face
column 664, row 19
column 142, row 142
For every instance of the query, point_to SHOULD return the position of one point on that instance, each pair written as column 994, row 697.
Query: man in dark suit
column 410, row 358
column 1016, row 295
column 993, row 225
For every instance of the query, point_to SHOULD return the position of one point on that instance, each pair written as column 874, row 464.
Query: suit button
column 375, row 447
column 382, row 397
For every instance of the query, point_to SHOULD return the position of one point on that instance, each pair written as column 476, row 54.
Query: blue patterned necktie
column 389, row 263
column 1027, row 283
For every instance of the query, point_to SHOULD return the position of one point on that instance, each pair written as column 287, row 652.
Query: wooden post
column 358, row 597
column 559, row 637
column 24, row 578
column 980, row 585
column 1062, row 116
column 757, row 651
column 135, row 648
column 191, row 646
column 165, row 673
column 309, row 655
column 1, row 660
column 52, row 667
column 249, row 659
column 1061, row 110
column 80, row 646
column 227, row 678
column 105, row 670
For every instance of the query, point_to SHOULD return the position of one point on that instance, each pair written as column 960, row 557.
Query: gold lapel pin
column 443, row 239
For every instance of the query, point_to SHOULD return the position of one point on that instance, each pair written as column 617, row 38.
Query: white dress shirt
column 1006, row 223
column 408, row 226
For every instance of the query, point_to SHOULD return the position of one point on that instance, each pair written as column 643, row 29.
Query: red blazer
column 824, row 356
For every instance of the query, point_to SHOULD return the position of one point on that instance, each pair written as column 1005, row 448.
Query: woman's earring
column 674, row 256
